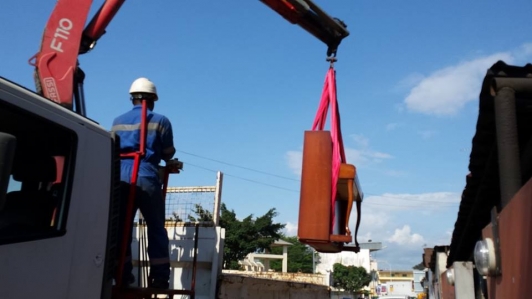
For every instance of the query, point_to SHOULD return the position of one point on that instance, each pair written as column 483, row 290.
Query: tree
column 202, row 214
column 350, row 278
column 299, row 257
column 419, row 266
column 247, row 235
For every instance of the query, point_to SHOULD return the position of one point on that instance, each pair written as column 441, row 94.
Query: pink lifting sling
column 329, row 185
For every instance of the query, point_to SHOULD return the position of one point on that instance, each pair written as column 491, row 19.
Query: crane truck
column 60, row 171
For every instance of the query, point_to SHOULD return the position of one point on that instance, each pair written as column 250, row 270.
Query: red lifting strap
column 328, row 97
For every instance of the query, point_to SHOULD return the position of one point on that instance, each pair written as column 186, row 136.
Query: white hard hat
column 143, row 85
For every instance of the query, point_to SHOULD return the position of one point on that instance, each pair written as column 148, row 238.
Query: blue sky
column 241, row 85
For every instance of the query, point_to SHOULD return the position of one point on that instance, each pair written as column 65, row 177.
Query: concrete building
column 325, row 262
column 262, row 260
column 434, row 260
column 386, row 276
column 419, row 276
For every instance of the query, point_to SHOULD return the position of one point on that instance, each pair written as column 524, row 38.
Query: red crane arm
column 313, row 19
column 57, row 75
column 99, row 22
column 56, row 61
column 59, row 78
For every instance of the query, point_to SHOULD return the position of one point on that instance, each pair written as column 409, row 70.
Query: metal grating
column 181, row 202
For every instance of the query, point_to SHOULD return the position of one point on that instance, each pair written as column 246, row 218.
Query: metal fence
column 194, row 204
column 189, row 204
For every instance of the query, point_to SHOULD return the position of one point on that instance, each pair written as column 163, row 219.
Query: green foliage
column 175, row 218
column 299, row 257
column 202, row 214
column 350, row 278
column 247, row 235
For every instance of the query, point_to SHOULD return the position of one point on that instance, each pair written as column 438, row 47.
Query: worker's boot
column 130, row 279
column 158, row 283
column 159, row 276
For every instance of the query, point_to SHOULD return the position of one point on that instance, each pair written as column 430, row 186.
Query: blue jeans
column 152, row 206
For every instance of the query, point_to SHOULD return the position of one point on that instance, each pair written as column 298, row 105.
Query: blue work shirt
column 159, row 139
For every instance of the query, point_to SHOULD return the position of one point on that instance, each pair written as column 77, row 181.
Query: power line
column 291, row 179
column 295, row 191
column 405, row 206
column 242, row 167
column 244, row 179
column 411, row 199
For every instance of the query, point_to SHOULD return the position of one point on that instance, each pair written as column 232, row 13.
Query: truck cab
column 58, row 210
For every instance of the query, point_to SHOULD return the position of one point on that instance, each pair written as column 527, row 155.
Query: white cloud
column 382, row 214
column 355, row 156
column 403, row 236
column 392, row 126
column 446, row 91
column 361, row 156
column 374, row 219
column 444, row 238
column 524, row 52
column 294, row 160
column 379, row 155
column 398, row 222
column 409, row 82
column 290, row 229
column 423, row 201
column 364, row 154
column 426, row 134
column 395, row 173
column 360, row 140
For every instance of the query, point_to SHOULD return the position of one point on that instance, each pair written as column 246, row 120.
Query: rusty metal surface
column 515, row 225
column 482, row 187
column 507, row 144
column 314, row 202
column 447, row 290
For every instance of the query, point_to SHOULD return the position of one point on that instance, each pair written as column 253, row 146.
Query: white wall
column 346, row 258
column 209, row 258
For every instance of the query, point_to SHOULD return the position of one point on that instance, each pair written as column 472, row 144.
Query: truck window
column 13, row 185
column 37, row 198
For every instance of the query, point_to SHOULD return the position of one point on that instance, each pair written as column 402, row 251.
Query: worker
column 159, row 146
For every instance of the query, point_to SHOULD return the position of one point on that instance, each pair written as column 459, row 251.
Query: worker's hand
column 174, row 165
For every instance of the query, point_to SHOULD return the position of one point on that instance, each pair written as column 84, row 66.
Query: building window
column 404, row 275
column 37, row 197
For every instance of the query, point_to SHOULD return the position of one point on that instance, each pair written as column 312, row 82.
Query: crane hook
column 331, row 59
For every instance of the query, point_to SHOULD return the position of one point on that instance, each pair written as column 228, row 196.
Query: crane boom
column 56, row 62
column 313, row 19
column 99, row 22
column 59, row 78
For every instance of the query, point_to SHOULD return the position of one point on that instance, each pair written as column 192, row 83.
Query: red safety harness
column 328, row 98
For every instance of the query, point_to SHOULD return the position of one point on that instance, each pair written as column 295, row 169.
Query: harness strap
column 359, row 210
column 329, row 98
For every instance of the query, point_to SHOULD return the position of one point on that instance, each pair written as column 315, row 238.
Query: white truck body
column 69, row 258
